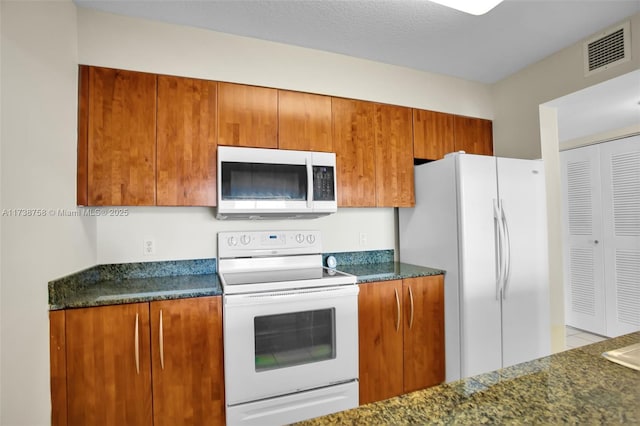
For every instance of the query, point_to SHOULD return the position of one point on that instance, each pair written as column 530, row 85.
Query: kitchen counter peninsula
column 578, row 386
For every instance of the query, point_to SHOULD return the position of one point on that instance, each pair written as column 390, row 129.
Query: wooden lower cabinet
column 423, row 332
column 380, row 339
column 127, row 366
column 108, row 365
column 401, row 336
column 188, row 376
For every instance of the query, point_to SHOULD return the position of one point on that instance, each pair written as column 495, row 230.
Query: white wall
column 190, row 232
column 38, row 153
column 130, row 43
column 523, row 129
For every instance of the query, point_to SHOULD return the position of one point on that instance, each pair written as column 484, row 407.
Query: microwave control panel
column 323, row 183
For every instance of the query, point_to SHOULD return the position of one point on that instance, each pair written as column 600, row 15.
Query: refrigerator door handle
column 507, row 252
column 497, row 217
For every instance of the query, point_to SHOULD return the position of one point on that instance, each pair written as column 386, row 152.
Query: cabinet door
column 473, row 135
column 354, row 144
column 304, row 121
column 380, row 340
column 120, row 144
column 188, row 385
column 58, row 367
column 394, row 157
column 247, row 116
column 423, row 332
column 432, row 134
column 186, row 142
column 108, row 365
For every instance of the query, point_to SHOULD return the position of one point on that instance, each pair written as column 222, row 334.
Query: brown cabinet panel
column 423, row 332
column 247, row 116
column 121, row 146
column 186, row 142
column 304, row 121
column 104, row 384
column 380, row 340
column 58, row 367
column 354, row 145
column 187, row 357
column 82, row 189
column 473, row 135
column 394, row 156
column 432, row 134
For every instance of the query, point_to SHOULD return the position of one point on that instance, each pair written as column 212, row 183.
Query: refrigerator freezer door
column 525, row 304
column 479, row 300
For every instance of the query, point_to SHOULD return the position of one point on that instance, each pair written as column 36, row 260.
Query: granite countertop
column 578, row 386
column 147, row 281
column 135, row 282
column 386, row 271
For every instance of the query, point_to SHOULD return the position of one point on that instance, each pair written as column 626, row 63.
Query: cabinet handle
column 398, row 310
column 161, row 341
column 137, row 347
column 411, row 317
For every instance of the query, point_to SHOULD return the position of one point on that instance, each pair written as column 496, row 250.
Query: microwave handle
column 309, row 182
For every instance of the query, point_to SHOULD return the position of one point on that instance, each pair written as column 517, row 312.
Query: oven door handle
column 288, row 295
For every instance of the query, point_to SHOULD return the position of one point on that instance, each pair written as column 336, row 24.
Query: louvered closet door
column 620, row 166
column 584, row 254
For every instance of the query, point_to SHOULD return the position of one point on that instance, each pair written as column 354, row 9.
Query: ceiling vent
column 607, row 49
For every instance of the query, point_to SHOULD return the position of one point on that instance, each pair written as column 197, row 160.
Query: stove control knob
column 232, row 241
column 311, row 238
column 245, row 239
column 300, row 238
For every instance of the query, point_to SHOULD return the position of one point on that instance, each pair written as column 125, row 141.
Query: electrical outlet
column 363, row 239
column 149, row 246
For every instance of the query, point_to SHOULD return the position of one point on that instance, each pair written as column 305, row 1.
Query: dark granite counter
column 578, row 386
column 371, row 272
column 135, row 282
column 147, row 281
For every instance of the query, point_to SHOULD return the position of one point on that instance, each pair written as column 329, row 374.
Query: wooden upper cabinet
column 394, row 156
column 432, row 134
column 424, row 354
column 187, row 358
column 247, row 116
column 354, row 145
column 380, row 340
column 473, row 135
column 304, row 121
column 186, row 142
column 109, row 365
column 117, row 139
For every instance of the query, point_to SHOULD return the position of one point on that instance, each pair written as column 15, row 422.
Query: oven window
column 285, row 340
column 257, row 181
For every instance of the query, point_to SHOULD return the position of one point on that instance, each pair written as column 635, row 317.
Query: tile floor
column 575, row 338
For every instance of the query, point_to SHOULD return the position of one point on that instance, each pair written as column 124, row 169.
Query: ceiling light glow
column 474, row 7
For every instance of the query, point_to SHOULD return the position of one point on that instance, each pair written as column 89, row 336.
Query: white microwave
column 256, row 183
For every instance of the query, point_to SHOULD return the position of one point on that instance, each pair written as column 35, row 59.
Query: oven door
column 279, row 343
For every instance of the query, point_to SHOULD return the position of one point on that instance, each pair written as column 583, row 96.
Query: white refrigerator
column 483, row 220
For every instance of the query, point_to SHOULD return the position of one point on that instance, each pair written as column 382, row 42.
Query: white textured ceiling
column 411, row 33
